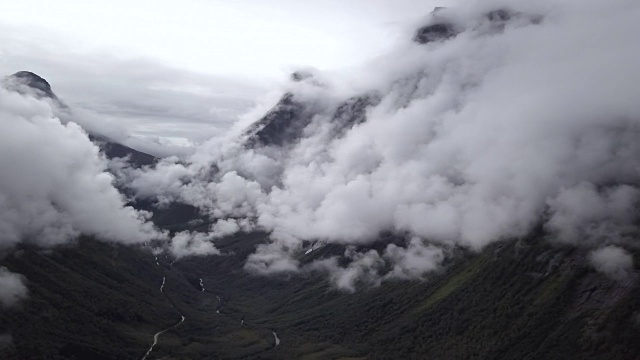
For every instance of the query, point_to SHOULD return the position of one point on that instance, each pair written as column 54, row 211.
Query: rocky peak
column 281, row 125
column 26, row 81
column 435, row 32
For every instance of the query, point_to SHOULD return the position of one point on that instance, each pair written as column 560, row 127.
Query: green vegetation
column 454, row 283
column 523, row 300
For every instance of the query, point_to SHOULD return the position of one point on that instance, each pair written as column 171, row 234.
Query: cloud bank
column 53, row 186
column 500, row 122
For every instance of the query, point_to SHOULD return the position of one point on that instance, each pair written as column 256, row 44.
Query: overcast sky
column 240, row 37
column 183, row 71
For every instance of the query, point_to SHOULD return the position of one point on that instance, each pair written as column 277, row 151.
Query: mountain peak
column 33, row 82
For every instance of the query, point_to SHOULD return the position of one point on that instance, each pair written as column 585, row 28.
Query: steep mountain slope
column 26, row 82
column 113, row 150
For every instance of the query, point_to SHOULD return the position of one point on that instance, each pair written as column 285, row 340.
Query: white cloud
column 362, row 270
column 12, row 290
column 413, row 261
column 273, row 258
column 613, row 261
column 53, row 183
column 192, row 243
column 583, row 214
column 224, row 227
column 474, row 140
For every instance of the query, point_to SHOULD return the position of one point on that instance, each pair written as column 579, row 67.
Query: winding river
column 157, row 335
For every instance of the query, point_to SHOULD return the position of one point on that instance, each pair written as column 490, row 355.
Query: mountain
column 284, row 124
column 26, row 82
column 113, row 149
column 281, row 125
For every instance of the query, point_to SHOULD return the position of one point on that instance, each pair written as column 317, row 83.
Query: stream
column 157, row 335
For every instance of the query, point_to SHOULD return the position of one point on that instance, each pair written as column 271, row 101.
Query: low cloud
column 612, row 261
column 362, row 270
column 12, row 290
column 187, row 243
column 585, row 214
column 510, row 122
column 413, row 261
column 54, row 185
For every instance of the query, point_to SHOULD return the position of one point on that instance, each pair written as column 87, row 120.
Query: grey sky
column 182, row 72
column 240, row 37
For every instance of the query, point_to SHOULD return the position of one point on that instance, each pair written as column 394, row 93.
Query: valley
column 546, row 309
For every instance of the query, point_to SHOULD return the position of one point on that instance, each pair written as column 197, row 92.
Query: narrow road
column 157, row 335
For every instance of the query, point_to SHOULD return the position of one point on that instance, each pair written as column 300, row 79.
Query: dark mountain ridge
column 29, row 83
column 24, row 81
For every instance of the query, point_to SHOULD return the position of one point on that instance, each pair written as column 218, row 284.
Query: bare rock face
column 281, row 126
column 26, row 81
column 441, row 28
column 352, row 112
column 284, row 124
column 439, row 31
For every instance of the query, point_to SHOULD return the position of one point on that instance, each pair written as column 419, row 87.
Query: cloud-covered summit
column 26, row 82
